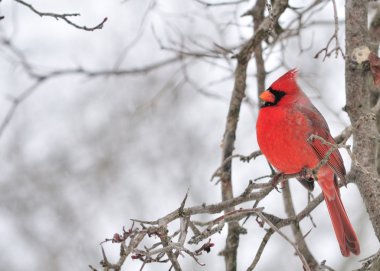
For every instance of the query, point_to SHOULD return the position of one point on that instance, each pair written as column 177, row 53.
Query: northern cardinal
column 285, row 123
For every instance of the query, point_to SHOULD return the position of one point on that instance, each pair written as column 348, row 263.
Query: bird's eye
column 278, row 94
column 272, row 96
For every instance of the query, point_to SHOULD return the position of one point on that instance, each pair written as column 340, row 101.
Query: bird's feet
column 278, row 178
column 305, row 174
column 306, row 179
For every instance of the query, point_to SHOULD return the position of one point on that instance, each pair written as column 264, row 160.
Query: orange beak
column 267, row 96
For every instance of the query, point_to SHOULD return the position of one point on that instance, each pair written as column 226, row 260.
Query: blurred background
column 135, row 117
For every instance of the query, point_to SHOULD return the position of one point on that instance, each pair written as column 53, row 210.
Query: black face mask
column 278, row 94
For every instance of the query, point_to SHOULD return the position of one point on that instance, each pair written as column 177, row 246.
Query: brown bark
column 363, row 171
column 374, row 35
column 296, row 229
column 258, row 17
column 238, row 93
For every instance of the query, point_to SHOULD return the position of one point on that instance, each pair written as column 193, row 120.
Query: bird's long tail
column 347, row 239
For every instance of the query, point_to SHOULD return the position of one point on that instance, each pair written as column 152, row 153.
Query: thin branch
column 260, row 250
column 371, row 263
column 300, row 255
column 344, row 135
column 296, row 229
column 41, row 78
column 219, row 4
column 140, row 31
column 242, row 158
column 337, row 49
column 111, row 72
column 16, row 103
column 64, row 16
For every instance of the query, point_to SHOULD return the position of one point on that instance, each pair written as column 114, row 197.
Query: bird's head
column 284, row 86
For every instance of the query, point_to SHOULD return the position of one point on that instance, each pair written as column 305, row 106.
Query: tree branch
column 65, row 17
column 300, row 255
column 337, row 49
column 296, row 229
column 365, row 134
column 238, row 93
column 42, row 78
column 219, row 4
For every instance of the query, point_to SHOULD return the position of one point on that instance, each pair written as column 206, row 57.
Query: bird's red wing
column 320, row 128
column 335, row 160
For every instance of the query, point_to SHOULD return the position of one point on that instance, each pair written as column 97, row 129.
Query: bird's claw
column 305, row 174
column 277, row 179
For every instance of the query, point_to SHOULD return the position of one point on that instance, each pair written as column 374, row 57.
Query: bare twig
column 151, row 5
column 300, row 255
column 16, row 103
column 296, row 229
column 337, row 49
column 260, row 250
column 64, row 16
column 218, row 4
column 243, row 158
column 370, row 263
column 344, row 135
column 42, row 78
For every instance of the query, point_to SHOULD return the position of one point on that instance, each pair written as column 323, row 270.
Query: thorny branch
column 169, row 247
column 64, row 16
column 180, row 242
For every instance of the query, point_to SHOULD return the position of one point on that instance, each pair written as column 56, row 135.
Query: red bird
column 286, row 121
